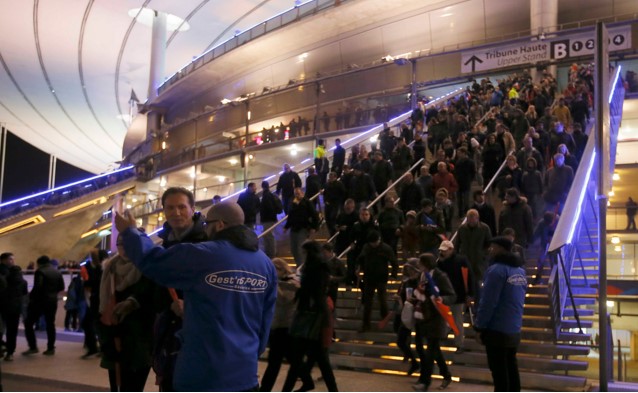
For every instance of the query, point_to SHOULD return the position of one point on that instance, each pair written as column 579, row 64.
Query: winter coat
column 499, row 317
column 432, row 324
column 518, row 216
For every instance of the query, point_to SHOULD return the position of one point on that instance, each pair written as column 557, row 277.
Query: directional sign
column 536, row 51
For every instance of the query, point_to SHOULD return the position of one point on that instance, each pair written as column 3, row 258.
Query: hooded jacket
column 518, row 216
column 229, row 289
column 500, row 311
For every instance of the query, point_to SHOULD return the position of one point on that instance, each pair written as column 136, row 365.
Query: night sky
column 26, row 170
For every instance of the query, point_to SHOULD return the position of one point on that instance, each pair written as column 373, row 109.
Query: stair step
column 529, row 380
column 533, row 298
column 535, row 309
column 584, row 301
column 572, row 324
column 574, row 337
column 478, row 358
column 582, row 312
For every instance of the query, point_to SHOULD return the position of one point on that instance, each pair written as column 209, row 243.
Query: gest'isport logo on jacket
column 517, row 279
column 238, row 281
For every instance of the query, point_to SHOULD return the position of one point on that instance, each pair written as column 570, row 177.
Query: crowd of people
column 211, row 291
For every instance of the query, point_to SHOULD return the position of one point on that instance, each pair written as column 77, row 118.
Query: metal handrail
column 498, row 172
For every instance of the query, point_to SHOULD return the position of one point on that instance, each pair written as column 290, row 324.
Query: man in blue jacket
column 229, row 289
column 500, row 314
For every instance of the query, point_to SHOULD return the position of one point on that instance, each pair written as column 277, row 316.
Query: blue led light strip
column 65, row 186
column 580, row 198
column 613, row 86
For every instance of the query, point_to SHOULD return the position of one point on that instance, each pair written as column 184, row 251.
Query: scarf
column 119, row 271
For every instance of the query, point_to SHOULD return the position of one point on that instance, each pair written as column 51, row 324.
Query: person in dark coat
column 12, row 303
column 249, row 203
column 532, row 187
column 313, row 187
column 334, row 194
column 358, row 239
column 464, row 172
column 373, row 261
column 431, row 328
column 43, row 300
column 302, row 222
column 344, row 224
column 454, row 264
column 361, row 187
column 337, row 270
column 288, row 181
column 486, row 211
column 411, row 195
column 492, row 157
column 338, row 158
column 431, row 224
column 269, row 207
column 183, row 225
column 312, row 296
column 381, row 172
column 516, row 214
column 557, row 182
column 390, row 221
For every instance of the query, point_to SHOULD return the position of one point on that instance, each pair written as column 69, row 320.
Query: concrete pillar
column 543, row 20
column 156, row 74
column 52, row 168
column 158, row 54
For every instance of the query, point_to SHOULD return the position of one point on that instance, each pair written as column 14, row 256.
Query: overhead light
column 221, row 178
column 81, row 206
column 24, row 223
column 611, row 193
column 251, row 157
column 615, row 240
column 610, row 303
column 617, row 248
column 134, row 200
column 233, row 161
column 293, row 152
column 129, row 206
column 373, row 139
column 616, row 176
column 225, row 101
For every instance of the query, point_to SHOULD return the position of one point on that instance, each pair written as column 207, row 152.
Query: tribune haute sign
column 557, row 48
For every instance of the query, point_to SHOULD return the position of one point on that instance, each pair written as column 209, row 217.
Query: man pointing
column 229, row 297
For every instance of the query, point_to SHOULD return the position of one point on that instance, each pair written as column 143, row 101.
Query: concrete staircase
column 544, row 360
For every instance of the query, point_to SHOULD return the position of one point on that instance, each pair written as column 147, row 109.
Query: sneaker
column 8, row 357
column 49, row 352
column 420, row 387
column 30, row 351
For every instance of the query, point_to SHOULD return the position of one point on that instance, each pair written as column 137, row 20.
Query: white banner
column 541, row 50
